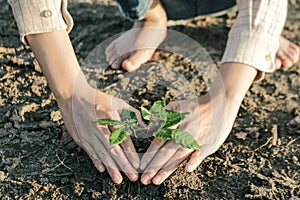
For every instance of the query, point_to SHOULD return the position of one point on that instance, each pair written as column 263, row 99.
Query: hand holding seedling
column 95, row 139
column 209, row 125
column 162, row 158
column 157, row 116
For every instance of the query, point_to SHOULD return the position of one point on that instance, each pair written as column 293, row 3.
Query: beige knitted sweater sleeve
column 254, row 38
column 40, row 16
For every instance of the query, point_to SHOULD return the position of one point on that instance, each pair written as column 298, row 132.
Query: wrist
column 70, row 88
column 233, row 82
column 221, row 100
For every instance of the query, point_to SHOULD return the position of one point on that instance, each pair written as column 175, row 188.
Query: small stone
column 295, row 159
column 3, row 176
column 241, row 135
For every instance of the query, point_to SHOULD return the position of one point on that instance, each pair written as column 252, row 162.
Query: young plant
column 158, row 116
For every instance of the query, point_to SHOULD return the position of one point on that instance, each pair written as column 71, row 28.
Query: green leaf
column 129, row 116
column 109, row 122
column 119, row 135
column 186, row 140
column 158, row 110
column 165, row 134
column 145, row 114
column 159, row 103
column 174, row 118
column 195, row 145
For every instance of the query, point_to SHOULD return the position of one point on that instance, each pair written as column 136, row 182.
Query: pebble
column 295, row 159
column 2, row 176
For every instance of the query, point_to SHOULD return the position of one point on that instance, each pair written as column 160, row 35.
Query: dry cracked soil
column 38, row 160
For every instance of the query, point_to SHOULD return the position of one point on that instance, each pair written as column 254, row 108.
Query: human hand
column 87, row 104
column 209, row 125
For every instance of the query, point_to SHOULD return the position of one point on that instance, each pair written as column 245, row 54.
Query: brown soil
column 38, row 160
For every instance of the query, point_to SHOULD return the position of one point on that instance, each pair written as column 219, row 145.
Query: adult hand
column 87, row 104
column 79, row 104
column 208, row 123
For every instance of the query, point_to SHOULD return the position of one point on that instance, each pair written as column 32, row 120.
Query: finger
column 94, row 157
column 197, row 157
column 131, row 153
column 102, row 159
column 155, row 145
column 114, row 57
column 121, row 159
column 110, row 165
column 180, row 155
column 160, row 159
column 116, row 153
column 115, row 174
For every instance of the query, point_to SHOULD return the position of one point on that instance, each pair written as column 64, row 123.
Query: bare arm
column 57, row 59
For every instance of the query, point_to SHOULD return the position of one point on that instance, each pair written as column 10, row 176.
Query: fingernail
column 145, row 179
column 117, row 179
column 157, row 180
column 134, row 177
column 101, row 168
column 188, row 168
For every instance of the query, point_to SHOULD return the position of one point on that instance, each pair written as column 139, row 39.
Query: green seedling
column 157, row 116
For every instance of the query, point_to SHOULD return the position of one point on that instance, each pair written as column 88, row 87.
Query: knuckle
column 102, row 155
column 157, row 142
column 124, row 166
column 115, row 151
column 127, row 145
column 164, row 151
column 152, row 169
column 178, row 155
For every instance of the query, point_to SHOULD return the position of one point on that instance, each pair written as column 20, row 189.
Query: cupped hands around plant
column 89, row 103
column 157, row 116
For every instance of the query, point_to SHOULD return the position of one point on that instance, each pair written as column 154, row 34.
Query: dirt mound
column 38, row 160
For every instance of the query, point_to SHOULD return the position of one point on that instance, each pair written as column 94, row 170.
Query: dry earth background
column 38, row 160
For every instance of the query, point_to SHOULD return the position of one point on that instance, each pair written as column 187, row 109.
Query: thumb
column 173, row 105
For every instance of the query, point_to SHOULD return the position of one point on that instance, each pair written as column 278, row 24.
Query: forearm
column 56, row 57
column 237, row 79
column 232, row 82
column 230, row 86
